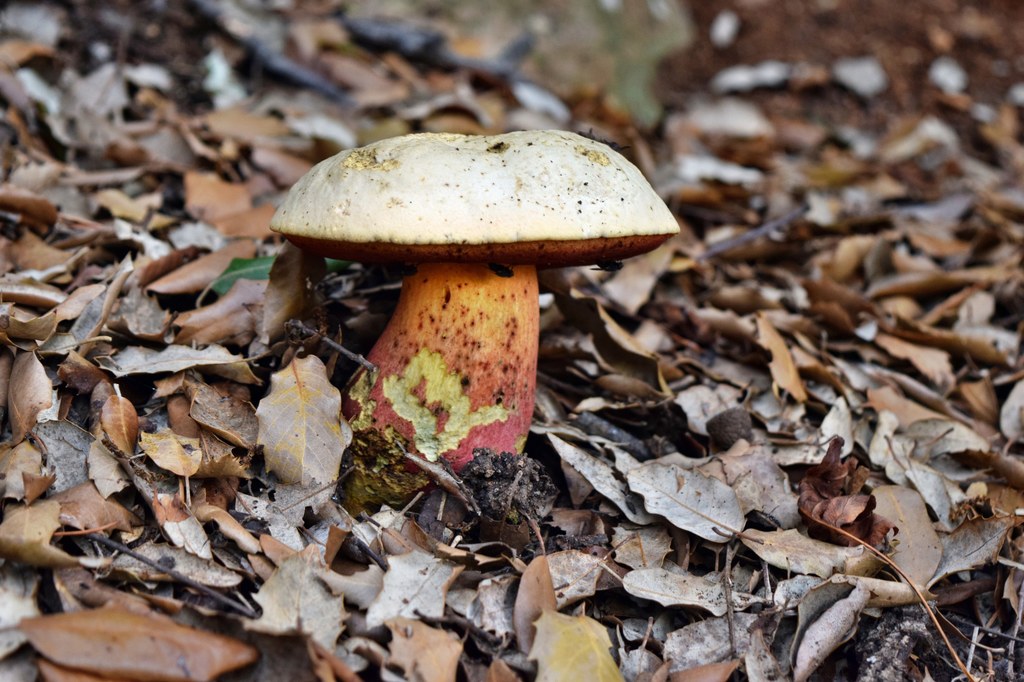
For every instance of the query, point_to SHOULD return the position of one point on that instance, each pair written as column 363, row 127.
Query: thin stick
column 177, row 575
column 309, row 332
column 763, row 230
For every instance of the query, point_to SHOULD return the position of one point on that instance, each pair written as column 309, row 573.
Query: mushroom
column 476, row 216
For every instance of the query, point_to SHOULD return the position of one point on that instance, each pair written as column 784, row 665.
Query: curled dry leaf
column 233, row 319
column 828, row 500
column 1011, row 414
column 568, row 645
column 26, row 532
column 783, row 369
column 114, row 643
column 833, row 627
column 300, row 425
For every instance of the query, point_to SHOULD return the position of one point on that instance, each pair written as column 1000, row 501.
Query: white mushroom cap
column 548, row 197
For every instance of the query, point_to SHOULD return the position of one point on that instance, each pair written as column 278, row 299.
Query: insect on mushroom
column 457, row 361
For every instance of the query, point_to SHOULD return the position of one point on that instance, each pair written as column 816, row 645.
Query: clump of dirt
column 508, row 486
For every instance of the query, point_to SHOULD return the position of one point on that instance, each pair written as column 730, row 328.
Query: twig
column 443, row 476
column 763, row 230
column 295, row 326
column 177, row 575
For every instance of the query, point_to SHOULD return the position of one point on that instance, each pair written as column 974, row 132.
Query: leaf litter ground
column 825, row 362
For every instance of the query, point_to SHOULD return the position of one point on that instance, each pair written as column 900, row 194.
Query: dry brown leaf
column 208, row 198
column 711, row 672
column 226, row 415
column 783, row 369
column 1011, row 414
column 195, row 276
column 233, row 319
column 115, row 643
column 794, row 552
column 175, row 358
column 290, row 291
column 829, row 499
column 120, row 423
column 300, row 425
column 17, row 462
column 566, row 646
column 933, row 363
column 29, row 393
column 84, row 508
column 889, row 399
column 919, row 550
column 423, row 653
column 679, row 588
column 295, row 601
column 536, row 595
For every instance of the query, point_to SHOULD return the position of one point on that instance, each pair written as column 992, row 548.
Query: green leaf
column 259, row 269
column 243, row 268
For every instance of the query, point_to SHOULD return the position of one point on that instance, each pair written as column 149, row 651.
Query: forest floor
column 786, row 444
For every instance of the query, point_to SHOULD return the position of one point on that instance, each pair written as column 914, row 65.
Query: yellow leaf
column 300, row 425
column 571, row 648
column 171, row 452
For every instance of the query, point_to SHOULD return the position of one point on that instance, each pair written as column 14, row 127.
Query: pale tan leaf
column 29, row 393
column 122, row 644
column 300, row 425
column 226, row 415
column 975, row 543
column 711, row 640
column 142, row 360
column 689, row 500
column 296, row 601
column 794, row 552
column 833, row 627
column 641, row 546
column 424, row 654
column 783, row 369
column 16, row 463
column 672, row 588
column 602, row 477
column 197, row 275
column 1011, row 414
column 566, row 646
column 931, row 362
column 414, row 587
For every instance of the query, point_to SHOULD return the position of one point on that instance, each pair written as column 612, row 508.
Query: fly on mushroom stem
column 476, row 216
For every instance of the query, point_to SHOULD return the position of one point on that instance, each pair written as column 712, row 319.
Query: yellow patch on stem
column 443, row 387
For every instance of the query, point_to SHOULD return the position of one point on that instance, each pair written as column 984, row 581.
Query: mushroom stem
column 457, row 368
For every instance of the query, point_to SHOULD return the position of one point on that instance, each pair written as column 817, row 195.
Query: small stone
column 724, row 29
column 729, row 426
column 861, row 75
column 744, row 78
column 947, row 75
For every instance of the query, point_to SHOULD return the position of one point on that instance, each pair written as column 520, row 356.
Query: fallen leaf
column 536, row 596
column 602, row 477
column 171, row 452
column 115, row 643
column 794, row 552
column 224, row 414
column 142, row 360
column 1011, row 414
column 568, row 645
column 83, row 507
column 711, row 640
column 300, row 425
column 26, row 532
column 195, row 276
column 919, row 550
column 233, row 319
column 671, row 588
column 120, row 423
column 829, row 499
column 296, row 601
column 414, row 587
column 423, row 653
column 836, row 625
column 29, row 393
column 689, row 500
column 783, row 369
